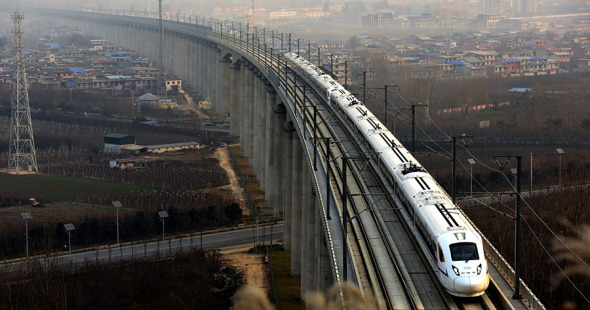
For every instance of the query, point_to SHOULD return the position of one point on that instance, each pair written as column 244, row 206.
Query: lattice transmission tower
column 21, row 151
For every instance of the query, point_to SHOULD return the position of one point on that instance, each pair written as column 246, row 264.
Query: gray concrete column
column 216, row 82
column 183, row 63
column 254, row 94
column 195, row 68
column 201, row 68
column 204, row 58
column 207, row 72
column 176, row 53
column 305, row 248
column 287, row 188
column 249, row 125
column 224, row 85
column 317, row 262
column 278, row 151
column 261, row 132
column 243, row 105
column 211, row 76
column 270, row 161
column 317, row 244
column 312, row 203
column 218, row 86
column 326, row 276
column 235, row 89
column 168, row 51
column 296, row 196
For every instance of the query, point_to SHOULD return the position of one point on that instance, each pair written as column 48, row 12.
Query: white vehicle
column 452, row 246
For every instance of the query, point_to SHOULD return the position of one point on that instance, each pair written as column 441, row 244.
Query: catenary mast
column 21, row 151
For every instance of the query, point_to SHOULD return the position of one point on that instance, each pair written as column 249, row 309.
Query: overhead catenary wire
column 555, row 262
column 513, row 187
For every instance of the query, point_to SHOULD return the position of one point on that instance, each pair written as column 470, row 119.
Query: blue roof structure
column 456, row 63
column 51, row 45
column 511, row 60
column 117, row 54
column 520, row 89
column 78, row 70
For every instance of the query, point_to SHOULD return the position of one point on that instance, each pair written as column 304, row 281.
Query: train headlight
column 456, row 270
column 479, row 269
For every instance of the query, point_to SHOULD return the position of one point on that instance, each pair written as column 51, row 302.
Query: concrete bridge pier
column 278, row 150
column 253, row 95
column 192, row 64
column 243, row 109
column 210, row 77
column 264, row 113
column 224, row 88
column 214, row 85
column 296, row 211
column 317, row 242
column 172, row 47
column 326, row 279
column 311, row 205
column 235, row 90
column 169, row 53
column 305, row 248
column 200, row 55
column 247, row 106
column 189, row 68
column 259, row 96
column 288, row 185
column 270, row 156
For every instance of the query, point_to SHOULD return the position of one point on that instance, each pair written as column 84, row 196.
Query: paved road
column 141, row 251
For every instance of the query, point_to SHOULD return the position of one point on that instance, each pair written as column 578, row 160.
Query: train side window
column 441, row 255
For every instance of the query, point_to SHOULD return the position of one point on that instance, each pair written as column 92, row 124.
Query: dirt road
column 222, row 154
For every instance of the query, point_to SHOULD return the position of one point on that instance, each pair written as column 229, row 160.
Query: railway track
column 366, row 225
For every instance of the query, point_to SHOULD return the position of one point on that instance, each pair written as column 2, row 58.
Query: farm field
column 48, row 188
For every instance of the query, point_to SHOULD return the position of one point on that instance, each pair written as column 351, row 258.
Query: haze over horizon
column 206, row 6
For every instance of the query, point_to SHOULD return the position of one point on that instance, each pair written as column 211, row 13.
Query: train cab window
column 441, row 255
column 464, row 251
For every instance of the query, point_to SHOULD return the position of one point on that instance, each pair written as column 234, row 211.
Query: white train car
column 452, row 246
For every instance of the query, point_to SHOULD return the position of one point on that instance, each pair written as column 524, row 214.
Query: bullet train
column 452, row 246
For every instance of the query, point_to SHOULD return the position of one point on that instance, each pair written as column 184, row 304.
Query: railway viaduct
column 341, row 221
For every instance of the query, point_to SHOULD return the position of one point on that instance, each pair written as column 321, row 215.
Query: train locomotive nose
column 470, row 286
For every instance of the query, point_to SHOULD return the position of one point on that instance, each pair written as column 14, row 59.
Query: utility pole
column 161, row 82
column 518, row 237
column 454, row 177
column 364, row 87
column 385, row 103
column 346, row 74
column 332, row 64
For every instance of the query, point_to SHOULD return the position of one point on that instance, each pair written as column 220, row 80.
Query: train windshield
column 464, row 251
